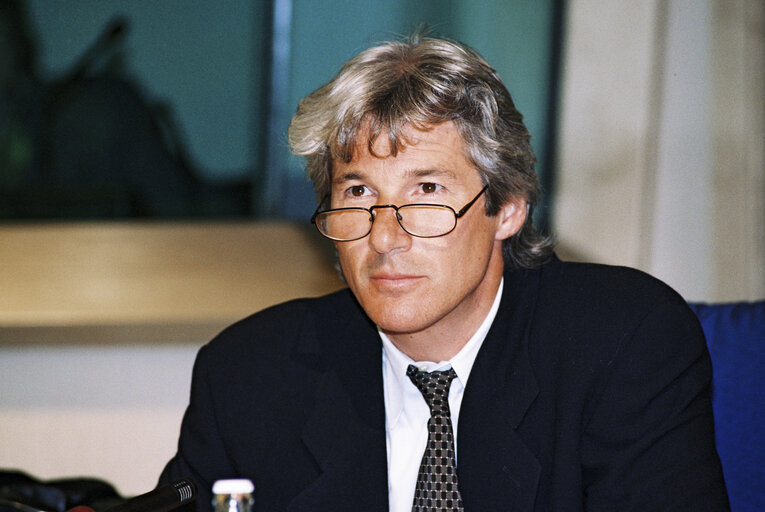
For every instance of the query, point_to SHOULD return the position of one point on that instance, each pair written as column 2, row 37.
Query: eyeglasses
column 420, row 220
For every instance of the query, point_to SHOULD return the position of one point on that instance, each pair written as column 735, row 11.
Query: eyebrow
column 423, row 173
column 346, row 176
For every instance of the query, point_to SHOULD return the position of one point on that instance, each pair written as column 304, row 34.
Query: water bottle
column 233, row 495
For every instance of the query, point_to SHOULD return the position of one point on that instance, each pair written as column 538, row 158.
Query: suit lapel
column 346, row 431
column 496, row 469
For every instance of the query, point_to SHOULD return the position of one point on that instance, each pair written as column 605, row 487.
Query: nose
column 387, row 235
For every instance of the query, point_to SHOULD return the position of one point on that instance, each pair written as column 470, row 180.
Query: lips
column 394, row 281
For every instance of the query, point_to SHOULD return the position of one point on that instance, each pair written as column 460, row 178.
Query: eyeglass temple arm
column 465, row 208
column 318, row 209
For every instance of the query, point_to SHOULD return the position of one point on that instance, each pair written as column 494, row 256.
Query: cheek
column 472, row 249
column 349, row 255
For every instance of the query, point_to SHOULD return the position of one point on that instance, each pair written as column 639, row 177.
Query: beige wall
column 661, row 151
column 111, row 412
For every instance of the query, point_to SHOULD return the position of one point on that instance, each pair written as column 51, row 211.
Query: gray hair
column 420, row 82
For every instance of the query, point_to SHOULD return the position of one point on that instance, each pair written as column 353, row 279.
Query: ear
column 510, row 218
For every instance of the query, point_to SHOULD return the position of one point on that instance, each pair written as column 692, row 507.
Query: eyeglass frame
column 457, row 215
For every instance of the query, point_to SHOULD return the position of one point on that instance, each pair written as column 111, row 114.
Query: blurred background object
column 180, row 110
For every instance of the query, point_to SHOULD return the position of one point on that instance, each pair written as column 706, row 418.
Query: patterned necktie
column 436, row 489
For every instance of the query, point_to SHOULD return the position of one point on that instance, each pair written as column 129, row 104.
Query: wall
column 111, row 412
column 661, row 151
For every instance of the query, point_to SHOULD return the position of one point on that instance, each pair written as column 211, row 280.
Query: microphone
column 160, row 499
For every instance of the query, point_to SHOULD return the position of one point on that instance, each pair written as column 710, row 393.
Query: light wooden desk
column 151, row 282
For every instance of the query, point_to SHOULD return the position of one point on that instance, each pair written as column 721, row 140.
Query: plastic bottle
column 233, row 495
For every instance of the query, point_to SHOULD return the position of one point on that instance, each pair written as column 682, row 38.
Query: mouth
column 394, row 281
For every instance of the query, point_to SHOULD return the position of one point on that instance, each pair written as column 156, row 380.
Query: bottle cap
column 233, row 486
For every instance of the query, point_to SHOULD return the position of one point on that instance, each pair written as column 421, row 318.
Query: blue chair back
column 735, row 335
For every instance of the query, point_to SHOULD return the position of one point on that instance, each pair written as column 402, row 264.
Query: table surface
column 151, row 281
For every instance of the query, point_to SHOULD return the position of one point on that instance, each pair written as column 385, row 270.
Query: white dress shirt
column 407, row 413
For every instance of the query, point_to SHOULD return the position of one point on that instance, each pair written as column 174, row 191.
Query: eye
column 357, row 190
column 430, row 188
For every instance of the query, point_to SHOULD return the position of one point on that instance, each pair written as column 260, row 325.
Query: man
column 465, row 368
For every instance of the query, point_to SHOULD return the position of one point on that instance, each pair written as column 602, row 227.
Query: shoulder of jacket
column 277, row 327
column 595, row 283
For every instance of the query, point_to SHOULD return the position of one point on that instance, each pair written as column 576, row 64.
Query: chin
column 399, row 322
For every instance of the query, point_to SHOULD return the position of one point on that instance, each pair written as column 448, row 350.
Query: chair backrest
column 735, row 335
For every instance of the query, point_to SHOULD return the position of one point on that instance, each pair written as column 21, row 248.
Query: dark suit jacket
column 590, row 392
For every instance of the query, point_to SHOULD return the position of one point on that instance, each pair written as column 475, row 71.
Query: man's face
column 422, row 288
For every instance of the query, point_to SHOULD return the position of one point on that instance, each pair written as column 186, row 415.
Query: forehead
column 436, row 149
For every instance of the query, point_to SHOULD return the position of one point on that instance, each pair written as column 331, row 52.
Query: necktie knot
column 434, row 387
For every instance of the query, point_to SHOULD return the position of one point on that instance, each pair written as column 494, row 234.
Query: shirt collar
column 396, row 362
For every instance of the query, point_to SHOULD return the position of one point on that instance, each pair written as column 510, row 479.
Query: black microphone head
column 186, row 490
column 161, row 499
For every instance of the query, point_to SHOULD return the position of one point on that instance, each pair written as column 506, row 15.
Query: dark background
column 179, row 109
